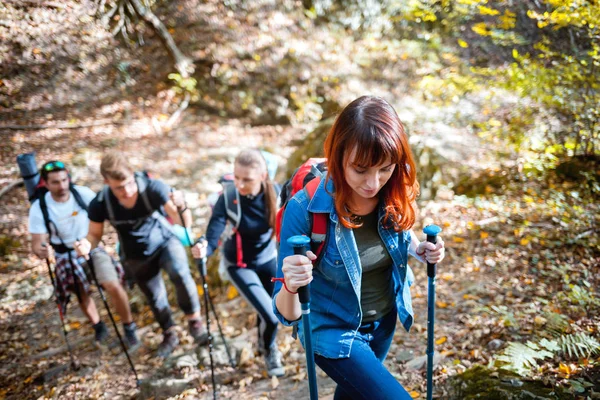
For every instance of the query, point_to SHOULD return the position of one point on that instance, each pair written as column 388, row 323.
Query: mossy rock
column 479, row 382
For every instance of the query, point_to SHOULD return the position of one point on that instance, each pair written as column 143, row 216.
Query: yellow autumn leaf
column 524, row 242
column 481, row 29
column 463, row 44
column 75, row 325
column 441, row 340
column 457, row 239
column 441, row 304
column 564, row 368
column 483, row 235
column 483, row 10
column 37, row 51
column 539, row 320
column 200, row 290
column 231, row 292
column 415, row 395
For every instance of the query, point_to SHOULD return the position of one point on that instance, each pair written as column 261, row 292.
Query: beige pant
column 104, row 267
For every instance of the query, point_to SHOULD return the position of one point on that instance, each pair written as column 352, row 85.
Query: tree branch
column 183, row 64
column 11, row 186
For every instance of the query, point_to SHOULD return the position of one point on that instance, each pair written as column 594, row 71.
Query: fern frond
column 557, row 324
column 578, row 345
column 522, row 358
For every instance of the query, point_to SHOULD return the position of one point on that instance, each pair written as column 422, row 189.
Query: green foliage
column 578, row 345
column 546, row 51
column 522, row 358
column 556, row 323
column 185, row 85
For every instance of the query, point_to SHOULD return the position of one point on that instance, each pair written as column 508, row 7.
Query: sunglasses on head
column 54, row 165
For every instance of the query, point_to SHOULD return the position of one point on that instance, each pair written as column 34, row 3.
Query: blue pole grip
column 431, row 231
column 300, row 243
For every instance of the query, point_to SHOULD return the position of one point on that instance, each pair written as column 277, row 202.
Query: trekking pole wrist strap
column 282, row 280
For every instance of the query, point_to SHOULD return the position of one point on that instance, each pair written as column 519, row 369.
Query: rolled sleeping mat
column 29, row 172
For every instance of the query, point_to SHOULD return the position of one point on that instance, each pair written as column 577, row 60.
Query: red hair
column 371, row 126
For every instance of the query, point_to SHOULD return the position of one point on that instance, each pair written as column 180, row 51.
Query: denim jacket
column 336, row 287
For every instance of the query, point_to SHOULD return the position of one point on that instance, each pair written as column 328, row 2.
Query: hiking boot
column 170, row 341
column 131, row 338
column 198, row 331
column 273, row 362
column 100, row 332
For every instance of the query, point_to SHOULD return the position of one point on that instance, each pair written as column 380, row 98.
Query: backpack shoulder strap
column 142, row 181
column 105, row 196
column 78, row 198
column 231, row 196
column 45, row 214
column 320, row 222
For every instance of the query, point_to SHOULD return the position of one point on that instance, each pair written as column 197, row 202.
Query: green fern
column 522, row 358
column 578, row 345
column 556, row 324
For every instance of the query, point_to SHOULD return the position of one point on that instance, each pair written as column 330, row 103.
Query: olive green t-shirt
column 377, row 293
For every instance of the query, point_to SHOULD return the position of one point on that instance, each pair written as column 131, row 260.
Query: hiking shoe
column 100, row 332
column 198, row 331
column 131, row 338
column 273, row 362
column 170, row 341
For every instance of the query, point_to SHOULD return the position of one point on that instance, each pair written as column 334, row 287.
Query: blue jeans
column 254, row 283
column 147, row 274
column 363, row 375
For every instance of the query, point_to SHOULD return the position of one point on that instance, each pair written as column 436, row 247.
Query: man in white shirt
column 62, row 211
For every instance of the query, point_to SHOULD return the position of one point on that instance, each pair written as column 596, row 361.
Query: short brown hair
column 115, row 166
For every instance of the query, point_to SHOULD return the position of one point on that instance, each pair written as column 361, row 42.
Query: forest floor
column 516, row 260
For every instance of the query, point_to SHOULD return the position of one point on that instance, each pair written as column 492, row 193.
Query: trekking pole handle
column 431, row 231
column 299, row 243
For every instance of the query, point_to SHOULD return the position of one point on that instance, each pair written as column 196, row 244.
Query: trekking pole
column 202, row 267
column 431, row 231
column 201, row 264
column 112, row 319
column 74, row 364
column 299, row 244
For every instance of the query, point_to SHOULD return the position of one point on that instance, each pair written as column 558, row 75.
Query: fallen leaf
column 441, row 340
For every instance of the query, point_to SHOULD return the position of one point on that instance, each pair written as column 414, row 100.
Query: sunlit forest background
column 501, row 101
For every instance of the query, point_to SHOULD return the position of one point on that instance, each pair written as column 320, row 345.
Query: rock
column 163, row 388
column 405, row 355
column 421, row 362
column 188, row 360
column 495, row 344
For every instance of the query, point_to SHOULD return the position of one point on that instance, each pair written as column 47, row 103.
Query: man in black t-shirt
column 136, row 206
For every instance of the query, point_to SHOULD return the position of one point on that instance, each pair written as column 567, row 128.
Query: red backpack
column 306, row 177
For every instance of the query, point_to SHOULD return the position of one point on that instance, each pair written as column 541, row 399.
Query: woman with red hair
column 361, row 281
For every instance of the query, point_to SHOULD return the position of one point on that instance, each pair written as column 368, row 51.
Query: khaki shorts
column 104, row 267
